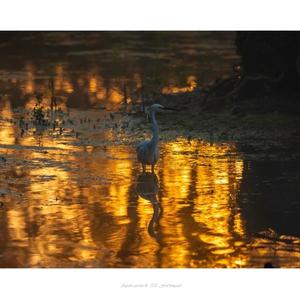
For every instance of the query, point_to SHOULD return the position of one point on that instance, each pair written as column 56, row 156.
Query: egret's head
column 157, row 108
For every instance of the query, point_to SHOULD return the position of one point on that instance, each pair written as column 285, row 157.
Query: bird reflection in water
column 147, row 188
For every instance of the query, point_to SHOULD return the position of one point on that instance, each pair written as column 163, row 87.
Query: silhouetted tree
column 271, row 54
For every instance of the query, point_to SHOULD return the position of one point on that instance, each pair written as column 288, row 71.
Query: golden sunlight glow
column 115, row 96
column 93, row 84
column 7, row 132
column 29, row 83
column 64, row 199
column 172, row 88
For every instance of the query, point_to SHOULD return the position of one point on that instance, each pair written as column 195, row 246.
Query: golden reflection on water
column 61, row 80
column 80, row 206
column 7, row 132
column 90, row 87
column 204, row 181
column 29, row 82
column 191, row 84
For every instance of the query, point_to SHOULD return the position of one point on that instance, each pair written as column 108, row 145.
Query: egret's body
column 148, row 151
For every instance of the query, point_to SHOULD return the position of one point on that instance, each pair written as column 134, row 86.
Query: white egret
column 147, row 151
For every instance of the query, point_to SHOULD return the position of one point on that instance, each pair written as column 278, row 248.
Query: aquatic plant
column 38, row 113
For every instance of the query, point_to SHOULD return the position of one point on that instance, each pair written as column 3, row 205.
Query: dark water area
column 74, row 195
column 269, row 196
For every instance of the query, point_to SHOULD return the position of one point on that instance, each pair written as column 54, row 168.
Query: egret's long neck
column 155, row 130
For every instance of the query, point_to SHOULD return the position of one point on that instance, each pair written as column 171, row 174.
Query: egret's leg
column 144, row 167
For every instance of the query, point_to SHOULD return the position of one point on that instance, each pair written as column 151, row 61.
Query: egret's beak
column 169, row 108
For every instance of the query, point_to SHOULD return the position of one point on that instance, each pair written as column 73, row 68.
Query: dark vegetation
column 38, row 111
column 268, row 78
